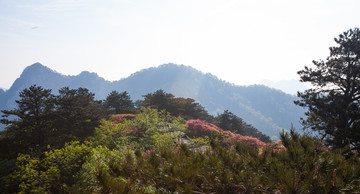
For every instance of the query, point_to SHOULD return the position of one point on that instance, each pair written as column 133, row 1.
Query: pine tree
column 78, row 113
column 119, row 103
column 334, row 101
column 32, row 121
column 228, row 121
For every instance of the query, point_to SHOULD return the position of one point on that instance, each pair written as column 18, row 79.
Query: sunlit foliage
column 154, row 151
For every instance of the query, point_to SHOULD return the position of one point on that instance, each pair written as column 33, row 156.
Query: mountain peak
column 87, row 73
column 169, row 65
column 175, row 66
column 36, row 65
column 267, row 110
column 35, row 68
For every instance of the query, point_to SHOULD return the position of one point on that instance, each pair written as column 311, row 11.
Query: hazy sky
column 242, row 42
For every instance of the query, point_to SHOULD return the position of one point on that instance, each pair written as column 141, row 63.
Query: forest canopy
column 71, row 142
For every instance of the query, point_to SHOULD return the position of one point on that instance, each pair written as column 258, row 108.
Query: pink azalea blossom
column 121, row 117
column 199, row 127
column 277, row 146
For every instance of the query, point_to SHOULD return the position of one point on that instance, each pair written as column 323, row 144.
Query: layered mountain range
column 267, row 109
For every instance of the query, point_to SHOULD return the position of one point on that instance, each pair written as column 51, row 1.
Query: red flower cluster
column 277, row 146
column 232, row 138
column 199, row 127
column 121, row 117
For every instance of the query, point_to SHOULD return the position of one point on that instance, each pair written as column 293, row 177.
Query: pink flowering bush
column 233, row 138
column 201, row 128
column 121, row 117
column 277, row 146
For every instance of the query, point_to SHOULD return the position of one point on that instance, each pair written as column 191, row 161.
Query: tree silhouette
column 119, row 103
column 31, row 121
column 333, row 102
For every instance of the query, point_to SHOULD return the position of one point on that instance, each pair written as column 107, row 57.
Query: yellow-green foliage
column 304, row 167
column 198, row 142
column 149, row 129
column 150, row 154
column 165, row 141
column 57, row 171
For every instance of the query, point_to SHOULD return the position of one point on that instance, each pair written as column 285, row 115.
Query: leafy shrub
column 121, row 117
column 202, row 128
column 56, row 172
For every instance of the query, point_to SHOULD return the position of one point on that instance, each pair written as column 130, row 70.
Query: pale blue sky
column 240, row 41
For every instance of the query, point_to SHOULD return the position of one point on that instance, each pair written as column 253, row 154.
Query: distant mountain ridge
column 288, row 86
column 267, row 109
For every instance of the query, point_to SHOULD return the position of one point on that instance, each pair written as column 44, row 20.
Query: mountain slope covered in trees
column 267, row 109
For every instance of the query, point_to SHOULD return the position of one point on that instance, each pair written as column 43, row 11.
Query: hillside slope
column 267, row 109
